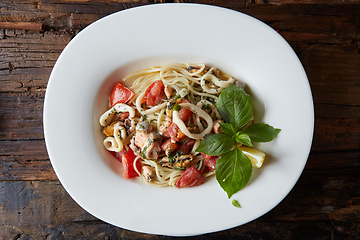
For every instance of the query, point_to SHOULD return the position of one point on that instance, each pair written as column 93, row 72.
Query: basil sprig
column 233, row 168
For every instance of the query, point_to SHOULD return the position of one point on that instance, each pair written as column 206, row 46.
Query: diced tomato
column 174, row 132
column 127, row 158
column 168, row 146
column 120, row 94
column 210, row 161
column 185, row 113
column 121, row 116
column 180, row 134
column 154, row 93
column 186, row 147
column 205, row 156
column 190, row 178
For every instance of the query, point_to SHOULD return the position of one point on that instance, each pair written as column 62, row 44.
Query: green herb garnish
column 235, row 203
column 233, row 168
column 177, row 107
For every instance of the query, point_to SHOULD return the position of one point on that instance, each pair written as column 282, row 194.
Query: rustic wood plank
column 335, row 134
column 301, row 17
column 62, row 15
column 324, row 110
column 320, row 199
column 33, row 26
column 21, row 117
column 302, row 2
column 315, row 230
column 29, row 51
column 342, row 165
column 43, row 209
column 37, row 203
column 329, row 85
column 25, row 161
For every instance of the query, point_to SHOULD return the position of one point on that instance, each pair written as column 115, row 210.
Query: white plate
column 144, row 36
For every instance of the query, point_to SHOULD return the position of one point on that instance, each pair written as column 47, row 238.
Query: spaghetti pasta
column 173, row 108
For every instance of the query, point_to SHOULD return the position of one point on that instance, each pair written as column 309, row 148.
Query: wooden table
column 325, row 202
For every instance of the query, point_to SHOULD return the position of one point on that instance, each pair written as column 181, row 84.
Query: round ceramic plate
column 141, row 37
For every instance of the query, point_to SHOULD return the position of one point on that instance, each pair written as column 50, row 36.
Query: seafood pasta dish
column 158, row 116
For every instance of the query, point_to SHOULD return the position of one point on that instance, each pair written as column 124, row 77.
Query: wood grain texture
column 324, row 204
column 40, row 209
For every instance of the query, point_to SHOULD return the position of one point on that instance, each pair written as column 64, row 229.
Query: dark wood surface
column 325, row 202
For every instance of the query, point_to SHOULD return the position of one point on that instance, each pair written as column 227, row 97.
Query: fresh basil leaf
column 235, row 106
column 227, row 128
column 235, row 203
column 243, row 138
column 233, row 171
column 215, row 144
column 261, row 132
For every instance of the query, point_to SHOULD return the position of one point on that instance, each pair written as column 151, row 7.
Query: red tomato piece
column 154, row 93
column 211, row 162
column 120, row 94
column 190, row 178
column 186, row 147
column 127, row 159
column 205, row 156
column 185, row 113
column 168, row 146
column 124, row 115
column 174, row 132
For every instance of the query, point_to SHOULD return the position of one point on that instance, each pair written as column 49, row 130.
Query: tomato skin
column 121, row 116
column 174, row 132
column 120, row 94
column 168, row 146
column 186, row 146
column 184, row 114
column 154, row 93
column 127, row 158
column 205, row 156
column 190, row 178
column 210, row 161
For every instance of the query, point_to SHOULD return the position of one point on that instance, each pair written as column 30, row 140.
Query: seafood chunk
column 130, row 125
column 149, row 143
column 148, row 173
column 141, row 138
column 168, row 91
column 144, row 126
column 176, row 162
column 216, row 127
column 152, row 149
column 165, row 124
column 109, row 130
